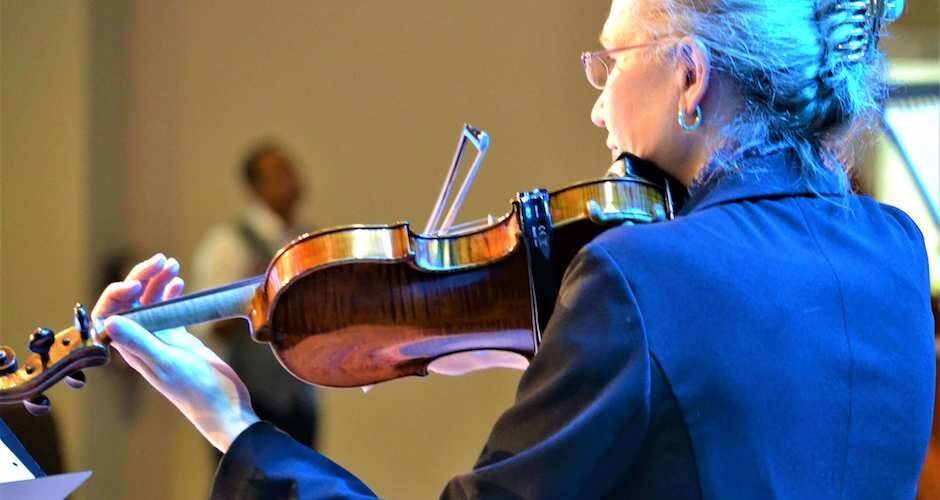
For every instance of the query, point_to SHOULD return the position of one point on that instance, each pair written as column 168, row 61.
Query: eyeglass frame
column 587, row 57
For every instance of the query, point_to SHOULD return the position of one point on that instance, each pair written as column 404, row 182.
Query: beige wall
column 916, row 34
column 370, row 95
column 122, row 122
column 151, row 105
column 44, row 200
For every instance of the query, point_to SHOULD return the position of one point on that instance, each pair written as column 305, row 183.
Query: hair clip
column 867, row 18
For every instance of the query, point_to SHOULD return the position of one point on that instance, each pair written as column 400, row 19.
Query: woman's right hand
column 174, row 362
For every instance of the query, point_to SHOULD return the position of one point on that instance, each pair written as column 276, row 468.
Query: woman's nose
column 597, row 112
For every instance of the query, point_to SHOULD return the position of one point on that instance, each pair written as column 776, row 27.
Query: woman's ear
column 694, row 62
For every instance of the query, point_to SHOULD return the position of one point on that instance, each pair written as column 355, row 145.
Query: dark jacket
column 774, row 341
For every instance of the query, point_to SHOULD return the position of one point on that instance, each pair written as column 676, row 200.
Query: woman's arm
column 580, row 414
column 260, row 461
column 177, row 364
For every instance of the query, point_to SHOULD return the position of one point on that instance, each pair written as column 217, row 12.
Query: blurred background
column 125, row 123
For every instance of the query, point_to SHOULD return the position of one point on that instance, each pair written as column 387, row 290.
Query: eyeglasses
column 598, row 65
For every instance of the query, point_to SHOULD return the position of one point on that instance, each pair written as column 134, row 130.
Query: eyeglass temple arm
column 481, row 141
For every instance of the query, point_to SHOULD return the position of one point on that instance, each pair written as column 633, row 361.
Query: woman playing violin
column 773, row 340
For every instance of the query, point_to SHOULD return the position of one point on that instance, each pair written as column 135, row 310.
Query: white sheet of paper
column 11, row 468
column 54, row 487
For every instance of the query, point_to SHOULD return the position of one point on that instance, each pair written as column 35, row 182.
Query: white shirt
column 223, row 256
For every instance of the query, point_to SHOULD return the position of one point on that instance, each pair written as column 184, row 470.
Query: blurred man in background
column 241, row 248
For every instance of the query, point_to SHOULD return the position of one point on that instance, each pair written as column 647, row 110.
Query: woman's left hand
column 175, row 362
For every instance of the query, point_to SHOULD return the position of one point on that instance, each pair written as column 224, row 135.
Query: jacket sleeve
column 265, row 463
column 583, row 405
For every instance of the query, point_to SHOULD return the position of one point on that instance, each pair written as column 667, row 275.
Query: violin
column 362, row 304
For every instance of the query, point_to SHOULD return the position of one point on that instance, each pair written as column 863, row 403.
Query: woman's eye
column 611, row 62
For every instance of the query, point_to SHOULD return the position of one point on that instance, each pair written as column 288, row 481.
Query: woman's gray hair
column 808, row 72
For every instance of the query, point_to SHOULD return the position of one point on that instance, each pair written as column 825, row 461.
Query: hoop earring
column 694, row 125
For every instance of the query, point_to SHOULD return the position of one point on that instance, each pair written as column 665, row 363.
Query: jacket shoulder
column 902, row 220
column 666, row 243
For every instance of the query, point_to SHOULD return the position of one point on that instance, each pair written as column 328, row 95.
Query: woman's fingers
column 147, row 269
column 132, row 338
column 122, row 295
column 148, row 282
column 117, row 296
column 156, row 285
column 179, row 337
column 137, row 364
column 173, row 289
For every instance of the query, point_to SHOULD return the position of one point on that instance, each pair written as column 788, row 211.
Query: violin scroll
column 54, row 357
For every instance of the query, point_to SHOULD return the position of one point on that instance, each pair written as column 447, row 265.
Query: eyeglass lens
column 597, row 71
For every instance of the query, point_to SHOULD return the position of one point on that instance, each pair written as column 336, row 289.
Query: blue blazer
column 774, row 341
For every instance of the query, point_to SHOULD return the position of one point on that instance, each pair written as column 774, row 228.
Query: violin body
column 326, row 327
column 475, row 292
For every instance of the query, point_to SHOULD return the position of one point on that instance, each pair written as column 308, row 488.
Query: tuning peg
column 41, row 341
column 38, row 406
column 82, row 324
column 75, row 380
column 8, row 362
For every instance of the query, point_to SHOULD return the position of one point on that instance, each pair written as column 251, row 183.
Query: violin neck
column 229, row 301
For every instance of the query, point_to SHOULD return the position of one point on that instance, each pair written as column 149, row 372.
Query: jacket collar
column 772, row 174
